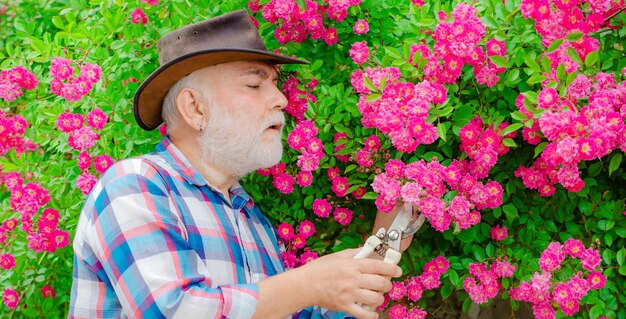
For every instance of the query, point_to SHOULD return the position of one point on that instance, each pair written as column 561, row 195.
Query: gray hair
column 170, row 113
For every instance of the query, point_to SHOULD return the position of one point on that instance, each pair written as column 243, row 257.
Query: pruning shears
column 386, row 243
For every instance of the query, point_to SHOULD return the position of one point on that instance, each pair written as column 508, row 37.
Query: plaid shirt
column 155, row 240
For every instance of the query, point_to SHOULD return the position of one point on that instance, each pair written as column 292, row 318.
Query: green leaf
column 442, row 129
column 539, row 148
column 536, row 78
column 575, row 36
column 446, row 291
column 509, row 142
column 500, row 61
column 532, row 64
column 511, row 128
column 454, row 277
column 591, row 59
column 595, row 169
column 574, row 55
column 373, row 97
column 620, row 256
column 301, row 4
column 479, row 254
column 555, row 45
column 510, row 211
column 369, row 84
column 616, row 160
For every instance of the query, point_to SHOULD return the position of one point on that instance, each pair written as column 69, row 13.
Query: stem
column 614, row 14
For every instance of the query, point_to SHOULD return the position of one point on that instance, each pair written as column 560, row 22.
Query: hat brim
column 149, row 98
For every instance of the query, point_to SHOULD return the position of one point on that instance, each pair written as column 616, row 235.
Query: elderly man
column 172, row 233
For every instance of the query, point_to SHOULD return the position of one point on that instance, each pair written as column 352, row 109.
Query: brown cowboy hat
column 226, row 38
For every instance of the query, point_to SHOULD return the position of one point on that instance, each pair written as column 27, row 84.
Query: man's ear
column 191, row 106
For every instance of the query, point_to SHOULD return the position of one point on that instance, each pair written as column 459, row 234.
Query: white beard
column 237, row 147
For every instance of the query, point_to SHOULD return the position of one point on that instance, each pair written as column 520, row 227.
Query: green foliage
column 100, row 32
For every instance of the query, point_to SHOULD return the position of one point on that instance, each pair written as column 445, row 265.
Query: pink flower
column 321, row 207
column 304, row 178
column 289, row 259
column 574, row 247
column 91, row 72
column 341, row 185
column 342, row 215
column 285, row 231
column 84, row 160
column 7, row 261
column 416, row 313
column 284, row 183
column 138, row 16
column 11, row 298
column 69, row 122
column 398, row 311
column 552, row 257
column 307, row 257
column 495, row 47
column 61, row 69
column 398, row 290
column 359, row 52
column 590, row 259
column 48, row 292
column 96, row 119
column 82, row 138
column 498, row 233
column 361, row 27
column 306, row 228
column 298, row 241
column 596, row 280
column 414, row 289
column 85, row 182
column 330, row 36
column 102, row 163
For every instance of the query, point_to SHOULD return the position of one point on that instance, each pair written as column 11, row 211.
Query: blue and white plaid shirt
column 156, row 240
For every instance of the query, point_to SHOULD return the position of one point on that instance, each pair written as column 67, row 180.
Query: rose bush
column 503, row 122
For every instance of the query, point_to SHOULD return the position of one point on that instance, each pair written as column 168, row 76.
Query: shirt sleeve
column 316, row 312
column 140, row 244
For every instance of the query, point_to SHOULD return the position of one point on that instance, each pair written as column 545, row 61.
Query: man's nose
column 279, row 100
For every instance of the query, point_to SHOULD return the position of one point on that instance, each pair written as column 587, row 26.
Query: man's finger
column 378, row 267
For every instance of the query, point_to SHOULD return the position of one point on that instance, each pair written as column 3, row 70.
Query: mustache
column 273, row 119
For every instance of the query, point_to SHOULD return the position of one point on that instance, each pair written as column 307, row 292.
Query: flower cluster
column 488, row 285
column 85, row 180
column 71, row 88
column 398, row 109
column 555, row 19
column 573, row 133
column 483, row 145
column 81, row 137
column 322, row 208
column 14, row 80
column 413, row 289
column 43, row 233
column 298, row 99
column 424, row 185
column 457, row 44
column 295, row 24
column 543, row 290
column 12, row 129
column 295, row 253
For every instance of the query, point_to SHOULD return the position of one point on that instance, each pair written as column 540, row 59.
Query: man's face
column 244, row 128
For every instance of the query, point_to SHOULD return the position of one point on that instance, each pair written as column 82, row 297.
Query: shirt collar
column 182, row 166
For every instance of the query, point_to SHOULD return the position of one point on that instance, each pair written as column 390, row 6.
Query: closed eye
column 253, row 86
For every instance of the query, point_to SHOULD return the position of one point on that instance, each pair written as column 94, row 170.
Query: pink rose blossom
column 11, row 298
column 361, row 27
column 7, row 261
column 138, row 17
column 321, row 208
column 102, row 163
column 286, row 231
column 48, row 292
column 306, row 228
column 498, row 233
column 342, row 215
column 85, row 182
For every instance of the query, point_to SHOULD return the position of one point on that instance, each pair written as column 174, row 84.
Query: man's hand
column 341, row 283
